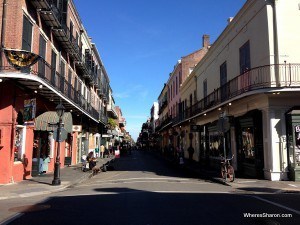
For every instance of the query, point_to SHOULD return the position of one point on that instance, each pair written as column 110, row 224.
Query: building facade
column 247, row 89
column 171, row 98
column 47, row 59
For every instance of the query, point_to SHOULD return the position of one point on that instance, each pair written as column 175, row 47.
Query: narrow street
column 145, row 190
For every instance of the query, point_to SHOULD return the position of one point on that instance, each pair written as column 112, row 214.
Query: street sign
column 63, row 135
column 223, row 124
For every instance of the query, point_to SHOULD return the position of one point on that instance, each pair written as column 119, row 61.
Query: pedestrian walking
column 46, row 162
column 102, row 149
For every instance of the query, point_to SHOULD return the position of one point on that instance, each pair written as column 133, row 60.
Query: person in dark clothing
column 191, row 153
column 92, row 163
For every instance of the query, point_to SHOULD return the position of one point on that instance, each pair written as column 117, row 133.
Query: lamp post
column 60, row 109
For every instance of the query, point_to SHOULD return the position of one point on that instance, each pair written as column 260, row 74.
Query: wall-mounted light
column 1, row 80
column 35, row 91
column 229, row 103
column 220, row 109
column 40, row 86
column 204, row 114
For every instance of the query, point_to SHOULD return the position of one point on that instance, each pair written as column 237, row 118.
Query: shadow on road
column 125, row 206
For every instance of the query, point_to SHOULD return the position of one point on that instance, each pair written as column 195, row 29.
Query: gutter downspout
column 275, row 36
column 3, row 27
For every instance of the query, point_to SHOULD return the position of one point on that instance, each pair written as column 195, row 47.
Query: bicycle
column 227, row 170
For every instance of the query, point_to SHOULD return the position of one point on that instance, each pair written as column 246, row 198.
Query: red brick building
column 47, row 58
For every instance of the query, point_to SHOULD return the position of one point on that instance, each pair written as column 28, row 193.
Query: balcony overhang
column 43, row 88
column 62, row 36
column 40, row 4
column 112, row 113
column 49, row 17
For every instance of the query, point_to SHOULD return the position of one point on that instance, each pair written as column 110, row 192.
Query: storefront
column 293, row 143
column 249, row 138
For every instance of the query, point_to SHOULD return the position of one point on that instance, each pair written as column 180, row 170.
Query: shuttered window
column 27, row 34
column 245, row 64
column 53, row 68
column 42, row 53
column 62, row 77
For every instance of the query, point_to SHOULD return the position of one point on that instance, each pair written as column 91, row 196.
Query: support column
column 275, row 151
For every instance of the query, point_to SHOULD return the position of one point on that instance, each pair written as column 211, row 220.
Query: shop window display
column 248, row 143
column 297, row 146
column 19, row 148
column 215, row 144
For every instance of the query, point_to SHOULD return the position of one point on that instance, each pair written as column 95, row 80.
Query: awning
column 43, row 120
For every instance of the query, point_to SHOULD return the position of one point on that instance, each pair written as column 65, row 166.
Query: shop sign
column 195, row 128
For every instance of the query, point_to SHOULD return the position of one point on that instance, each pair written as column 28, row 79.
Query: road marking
column 246, row 181
column 142, row 178
column 277, row 204
column 293, row 185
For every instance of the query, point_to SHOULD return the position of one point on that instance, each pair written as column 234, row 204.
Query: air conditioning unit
column 77, row 128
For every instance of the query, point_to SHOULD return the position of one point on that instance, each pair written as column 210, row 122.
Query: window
column 27, row 34
column 62, row 76
column 205, row 91
column 180, row 78
column 245, row 57
column 42, row 53
column 53, row 67
column 19, row 148
column 69, row 82
column 173, row 89
column 71, row 31
column 223, row 81
column 248, row 143
column 176, row 85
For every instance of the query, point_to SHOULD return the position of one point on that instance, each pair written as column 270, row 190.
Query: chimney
column 229, row 20
column 205, row 40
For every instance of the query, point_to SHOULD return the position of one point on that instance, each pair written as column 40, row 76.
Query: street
column 143, row 189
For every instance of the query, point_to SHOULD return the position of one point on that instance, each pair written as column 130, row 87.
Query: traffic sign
column 223, row 124
column 62, row 137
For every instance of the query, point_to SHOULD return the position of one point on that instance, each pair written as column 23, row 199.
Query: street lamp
column 60, row 110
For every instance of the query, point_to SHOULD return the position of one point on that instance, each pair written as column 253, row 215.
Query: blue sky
column 141, row 41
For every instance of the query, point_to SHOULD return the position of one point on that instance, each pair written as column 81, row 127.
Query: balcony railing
column 103, row 117
column 69, row 42
column 49, row 12
column 264, row 77
column 49, row 74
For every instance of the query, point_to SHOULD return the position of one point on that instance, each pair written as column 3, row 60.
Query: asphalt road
column 145, row 190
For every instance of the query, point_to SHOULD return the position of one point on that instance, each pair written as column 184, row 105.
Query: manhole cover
column 29, row 208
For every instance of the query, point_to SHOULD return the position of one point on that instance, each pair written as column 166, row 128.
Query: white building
column 251, row 74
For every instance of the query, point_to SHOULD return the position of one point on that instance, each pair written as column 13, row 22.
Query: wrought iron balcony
column 103, row 117
column 264, row 78
column 50, row 76
column 55, row 18
column 68, row 41
column 48, row 11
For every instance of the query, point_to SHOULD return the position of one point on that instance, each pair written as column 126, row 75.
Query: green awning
column 43, row 120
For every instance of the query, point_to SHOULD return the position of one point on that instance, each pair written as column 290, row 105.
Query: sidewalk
column 246, row 185
column 42, row 184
